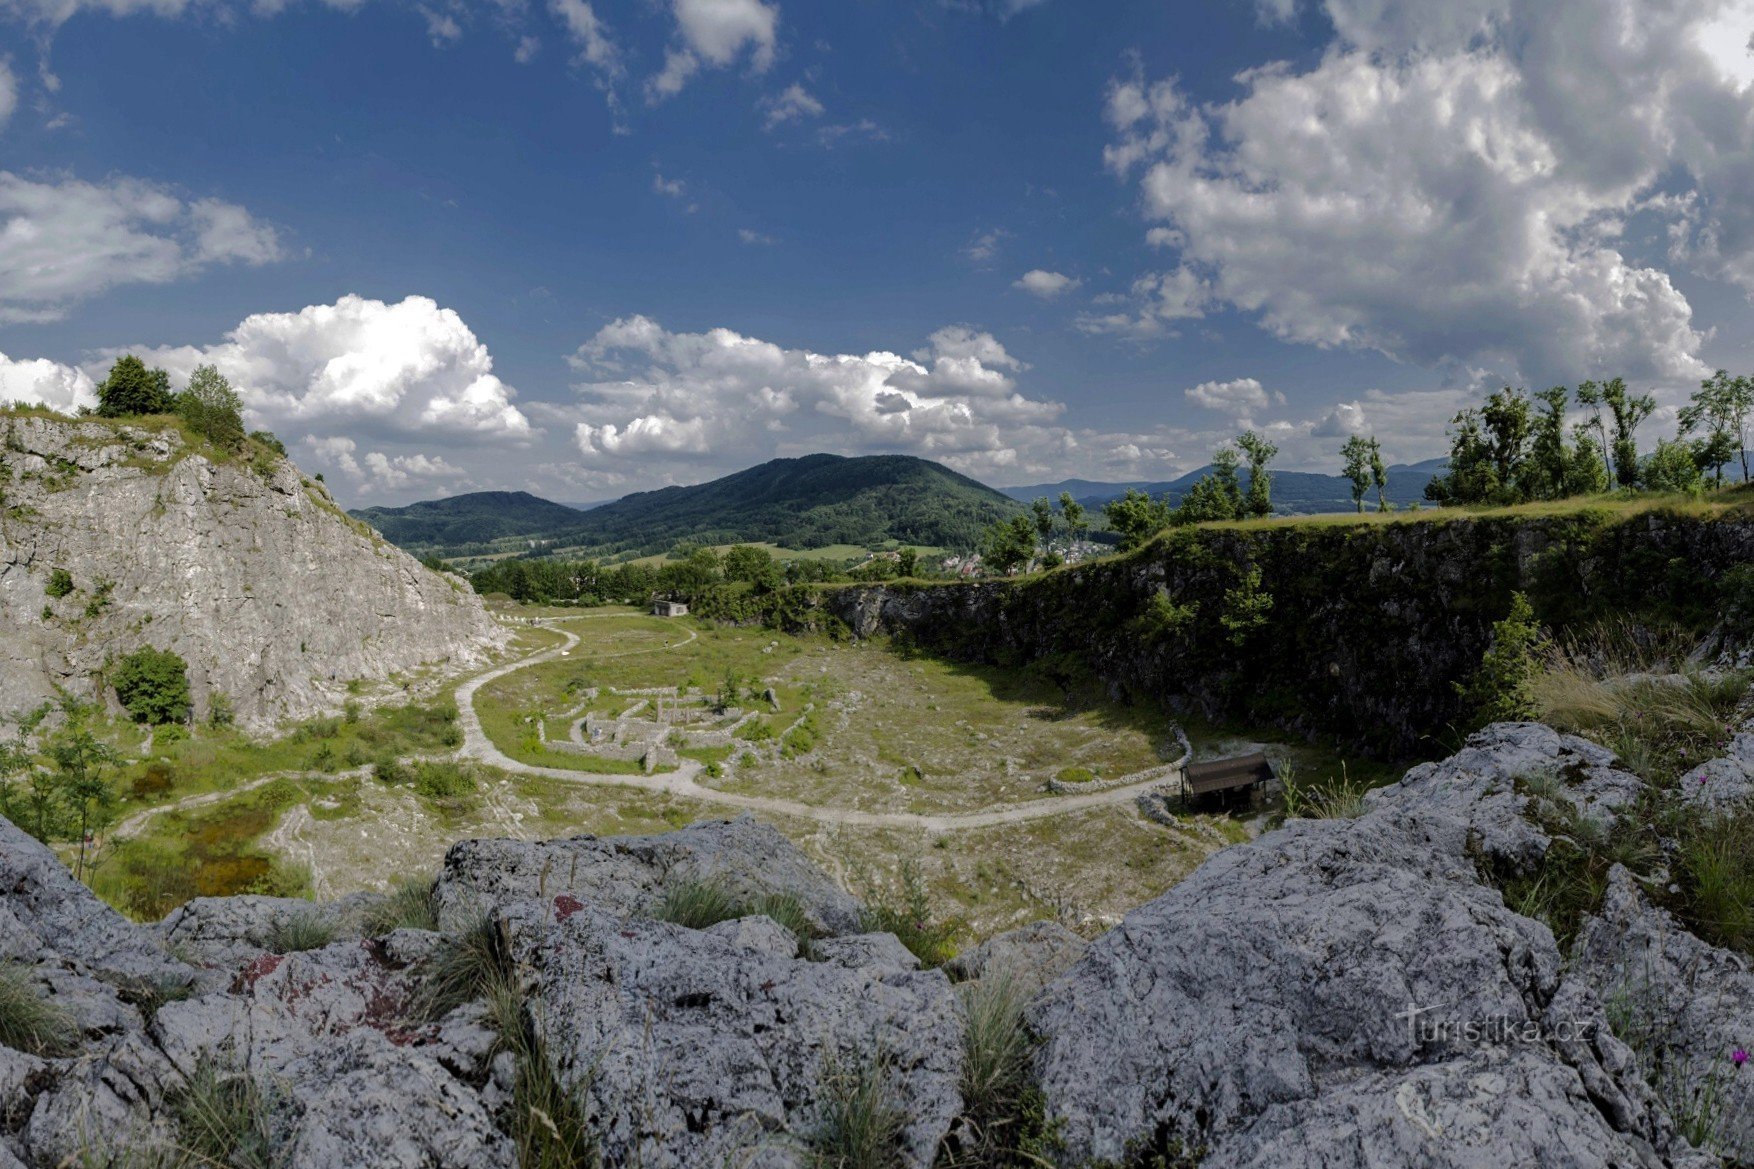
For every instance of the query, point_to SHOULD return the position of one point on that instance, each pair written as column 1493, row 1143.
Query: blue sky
column 584, row 247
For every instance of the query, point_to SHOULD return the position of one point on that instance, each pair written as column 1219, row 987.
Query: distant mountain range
column 1296, row 492
column 803, row 503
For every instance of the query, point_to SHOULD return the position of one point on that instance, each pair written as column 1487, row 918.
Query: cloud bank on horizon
column 1396, row 206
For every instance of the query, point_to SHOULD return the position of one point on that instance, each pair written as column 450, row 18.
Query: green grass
column 700, row 904
column 861, row 1127
column 548, row 1121
column 409, row 906
column 906, row 912
column 30, row 1021
column 1004, row 1113
column 223, row 1120
column 306, row 929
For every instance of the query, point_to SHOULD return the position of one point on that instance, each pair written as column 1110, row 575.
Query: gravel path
column 681, row 782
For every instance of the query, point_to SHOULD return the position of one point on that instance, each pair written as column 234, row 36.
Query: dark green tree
column 1508, row 423
column 1629, row 411
column 1136, row 517
column 1009, row 544
column 1042, row 512
column 153, row 686
column 753, row 566
column 1072, row 513
column 907, row 562
column 1260, row 452
column 212, row 407
column 1675, row 466
column 1720, row 408
column 131, row 388
column 1547, row 471
column 1379, row 475
column 78, row 759
column 1356, row 452
column 1472, row 477
column 1503, row 689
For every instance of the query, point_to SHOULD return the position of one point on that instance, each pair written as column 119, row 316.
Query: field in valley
column 877, row 763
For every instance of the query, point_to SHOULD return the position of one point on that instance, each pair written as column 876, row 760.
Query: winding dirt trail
column 681, row 782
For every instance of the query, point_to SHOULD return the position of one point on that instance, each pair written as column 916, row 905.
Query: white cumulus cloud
column 1452, row 185
column 65, row 240
column 1047, row 285
column 794, row 103
column 716, row 33
column 41, row 382
column 1240, row 398
column 408, row 370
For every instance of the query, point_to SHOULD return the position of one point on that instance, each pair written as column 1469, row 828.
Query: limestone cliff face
column 254, row 575
column 1360, row 631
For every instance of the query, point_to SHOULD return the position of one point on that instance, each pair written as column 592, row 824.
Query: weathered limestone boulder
column 1350, row 993
column 1723, row 782
column 226, row 932
column 628, row 874
column 697, row 1050
column 1686, row 1006
column 1031, row 957
column 49, row 916
column 264, row 586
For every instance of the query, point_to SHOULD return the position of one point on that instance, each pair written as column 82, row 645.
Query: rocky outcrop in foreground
column 1333, row 994
column 252, row 574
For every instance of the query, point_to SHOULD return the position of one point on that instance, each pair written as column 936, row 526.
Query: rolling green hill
column 469, row 519
column 804, row 503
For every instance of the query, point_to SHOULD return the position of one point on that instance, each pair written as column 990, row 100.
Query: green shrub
column 220, row 713
column 60, row 583
column 1075, row 775
column 860, row 1127
column 29, row 1021
column 906, row 912
column 297, row 932
column 153, row 686
column 1503, row 689
column 443, row 780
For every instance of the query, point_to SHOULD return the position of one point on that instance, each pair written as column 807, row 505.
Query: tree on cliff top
column 212, row 407
column 131, row 388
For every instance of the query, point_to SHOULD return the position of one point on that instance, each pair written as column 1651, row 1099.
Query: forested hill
column 467, row 519
column 810, row 502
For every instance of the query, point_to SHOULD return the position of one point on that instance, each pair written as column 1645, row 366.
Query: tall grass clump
column 1692, row 1091
column 906, row 912
column 224, row 1120
column 698, row 904
column 1004, row 1121
column 1715, row 871
column 30, row 1021
column 297, row 932
column 549, row 1121
column 408, row 907
column 860, row 1126
column 1335, row 798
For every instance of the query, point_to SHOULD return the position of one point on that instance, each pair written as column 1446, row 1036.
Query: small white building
column 669, row 609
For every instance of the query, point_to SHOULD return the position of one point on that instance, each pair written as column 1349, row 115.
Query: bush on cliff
column 153, row 686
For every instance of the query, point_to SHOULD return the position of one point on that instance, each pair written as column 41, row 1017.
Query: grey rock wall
column 264, row 586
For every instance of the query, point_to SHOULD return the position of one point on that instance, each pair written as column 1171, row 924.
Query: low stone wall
column 1061, row 787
